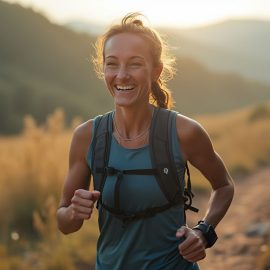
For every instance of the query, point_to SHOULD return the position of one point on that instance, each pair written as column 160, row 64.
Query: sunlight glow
column 170, row 12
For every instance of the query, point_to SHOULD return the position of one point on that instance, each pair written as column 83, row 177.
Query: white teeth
column 124, row 88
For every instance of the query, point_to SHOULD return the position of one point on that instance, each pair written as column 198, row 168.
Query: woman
column 133, row 61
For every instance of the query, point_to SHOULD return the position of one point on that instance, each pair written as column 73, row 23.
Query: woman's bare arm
column 77, row 201
column 197, row 148
column 199, row 151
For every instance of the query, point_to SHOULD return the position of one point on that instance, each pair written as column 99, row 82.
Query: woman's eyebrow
column 137, row 56
column 111, row 56
column 132, row 57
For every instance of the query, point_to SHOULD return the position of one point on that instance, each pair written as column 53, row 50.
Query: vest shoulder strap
column 162, row 154
column 101, row 148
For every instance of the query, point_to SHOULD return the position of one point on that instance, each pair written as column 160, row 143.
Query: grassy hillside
column 44, row 66
column 198, row 90
column 241, row 138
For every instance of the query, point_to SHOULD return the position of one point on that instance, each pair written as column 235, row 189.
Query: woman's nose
column 123, row 73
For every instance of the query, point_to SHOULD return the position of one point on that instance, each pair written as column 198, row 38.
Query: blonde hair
column 131, row 23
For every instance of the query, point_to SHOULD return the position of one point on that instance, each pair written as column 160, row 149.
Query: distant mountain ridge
column 44, row 66
column 239, row 46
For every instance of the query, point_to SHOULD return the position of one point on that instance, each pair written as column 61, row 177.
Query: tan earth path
column 244, row 232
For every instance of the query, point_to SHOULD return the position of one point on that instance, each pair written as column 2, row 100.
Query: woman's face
column 128, row 69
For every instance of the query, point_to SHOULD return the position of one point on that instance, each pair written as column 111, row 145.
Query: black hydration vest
column 167, row 174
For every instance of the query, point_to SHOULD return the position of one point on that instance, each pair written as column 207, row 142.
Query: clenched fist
column 82, row 203
column 193, row 247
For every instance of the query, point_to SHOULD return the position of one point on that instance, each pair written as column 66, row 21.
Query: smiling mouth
column 124, row 88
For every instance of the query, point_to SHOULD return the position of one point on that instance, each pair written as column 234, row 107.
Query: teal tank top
column 144, row 244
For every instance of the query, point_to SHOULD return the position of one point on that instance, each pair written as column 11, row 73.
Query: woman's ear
column 156, row 72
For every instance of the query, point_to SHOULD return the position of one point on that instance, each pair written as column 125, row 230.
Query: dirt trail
column 244, row 232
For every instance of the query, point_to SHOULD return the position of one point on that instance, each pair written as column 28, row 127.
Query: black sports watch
column 208, row 232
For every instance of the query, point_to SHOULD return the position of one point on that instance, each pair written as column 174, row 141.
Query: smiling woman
column 128, row 69
column 120, row 53
column 138, row 156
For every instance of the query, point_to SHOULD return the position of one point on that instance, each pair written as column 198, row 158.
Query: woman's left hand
column 193, row 247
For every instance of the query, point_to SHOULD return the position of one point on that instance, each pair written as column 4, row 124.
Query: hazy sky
column 159, row 12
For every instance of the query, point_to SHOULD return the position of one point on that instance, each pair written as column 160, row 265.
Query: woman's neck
column 131, row 123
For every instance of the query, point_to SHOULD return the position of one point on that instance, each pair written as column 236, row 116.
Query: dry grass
column 242, row 140
column 33, row 166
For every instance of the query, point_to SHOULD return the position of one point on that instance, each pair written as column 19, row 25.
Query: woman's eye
column 111, row 64
column 136, row 64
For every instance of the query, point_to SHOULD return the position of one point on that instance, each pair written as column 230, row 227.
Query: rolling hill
column 239, row 46
column 44, row 66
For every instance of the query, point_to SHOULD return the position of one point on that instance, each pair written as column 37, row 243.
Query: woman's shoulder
column 84, row 130
column 189, row 131
column 187, row 127
column 82, row 134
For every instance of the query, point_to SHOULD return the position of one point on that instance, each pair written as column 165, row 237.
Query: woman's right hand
column 82, row 203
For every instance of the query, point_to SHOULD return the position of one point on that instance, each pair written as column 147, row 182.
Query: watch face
column 208, row 233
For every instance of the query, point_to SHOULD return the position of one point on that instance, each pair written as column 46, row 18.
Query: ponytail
column 161, row 96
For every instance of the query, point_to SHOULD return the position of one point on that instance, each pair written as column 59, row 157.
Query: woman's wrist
column 200, row 234
column 67, row 223
column 207, row 231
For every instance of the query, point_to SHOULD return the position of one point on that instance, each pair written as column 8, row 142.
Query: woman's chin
column 122, row 103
